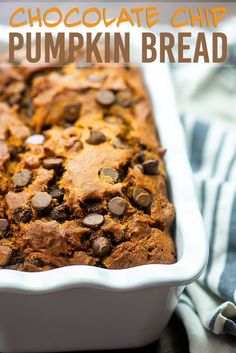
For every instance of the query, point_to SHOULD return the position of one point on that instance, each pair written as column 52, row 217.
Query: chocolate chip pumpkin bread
column 82, row 179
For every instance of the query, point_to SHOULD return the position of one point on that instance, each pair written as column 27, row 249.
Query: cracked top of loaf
column 82, row 179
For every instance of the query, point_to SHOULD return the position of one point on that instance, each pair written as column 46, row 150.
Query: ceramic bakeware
column 88, row 308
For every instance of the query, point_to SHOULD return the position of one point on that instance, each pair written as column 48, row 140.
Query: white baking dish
column 86, row 308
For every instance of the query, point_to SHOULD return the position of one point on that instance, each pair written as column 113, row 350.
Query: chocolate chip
column 71, row 112
column 117, row 206
column 74, row 143
column 59, row 213
column 38, row 262
column 22, row 214
column 161, row 151
column 118, row 143
column 142, row 197
column 22, row 178
column 14, row 151
column 105, row 97
column 97, row 77
column 101, row 246
column 140, row 157
column 52, row 163
column 5, row 255
column 4, row 223
column 35, row 140
column 57, row 194
column 114, row 119
column 93, row 220
column 151, row 166
column 96, row 137
column 41, row 201
column 109, row 175
column 124, row 98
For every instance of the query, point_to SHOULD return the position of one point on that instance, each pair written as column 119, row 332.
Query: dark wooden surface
column 173, row 340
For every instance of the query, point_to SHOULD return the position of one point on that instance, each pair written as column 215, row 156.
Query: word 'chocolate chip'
column 142, row 197
column 4, row 223
column 52, row 163
column 93, row 220
column 22, row 178
column 71, row 112
column 22, row 214
column 96, row 137
column 5, row 255
column 124, row 98
column 59, row 213
column 109, row 175
column 36, row 139
column 41, row 201
column 101, row 246
column 117, row 206
column 150, row 166
column 105, row 97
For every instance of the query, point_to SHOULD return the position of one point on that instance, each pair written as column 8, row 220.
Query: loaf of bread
column 82, row 179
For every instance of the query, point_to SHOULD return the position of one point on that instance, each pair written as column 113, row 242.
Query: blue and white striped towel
column 208, row 306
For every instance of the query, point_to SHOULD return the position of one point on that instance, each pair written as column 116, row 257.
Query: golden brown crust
column 86, row 136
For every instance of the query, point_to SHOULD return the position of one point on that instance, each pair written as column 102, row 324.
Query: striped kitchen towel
column 208, row 306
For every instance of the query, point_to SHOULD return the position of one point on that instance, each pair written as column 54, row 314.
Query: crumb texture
column 82, row 178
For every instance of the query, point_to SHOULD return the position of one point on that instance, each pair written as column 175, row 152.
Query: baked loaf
column 82, row 179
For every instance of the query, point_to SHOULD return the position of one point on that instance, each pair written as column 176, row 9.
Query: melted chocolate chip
column 36, row 139
column 22, row 214
column 74, row 144
column 60, row 213
column 150, row 167
column 38, row 262
column 93, row 220
column 22, row 178
column 5, row 255
column 71, row 112
column 142, row 197
column 105, row 97
column 57, row 194
column 4, row 223
column 96, row 137
column 14, row 151
column 140, row 157
column 124, row 98
column 41, row 201
column 52, row 163
column 109, row 175
column 101, row 246
column 118, row 143
column 117, row 206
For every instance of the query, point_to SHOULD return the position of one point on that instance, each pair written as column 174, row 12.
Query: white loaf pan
column 88, row 308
